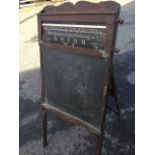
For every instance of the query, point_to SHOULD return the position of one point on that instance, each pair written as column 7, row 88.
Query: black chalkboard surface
column 73, row 83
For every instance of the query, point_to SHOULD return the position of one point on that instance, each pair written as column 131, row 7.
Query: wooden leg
column 44, row 126
column 99, row 145
column 117, row 106
column 102, row 125
column 113, row 92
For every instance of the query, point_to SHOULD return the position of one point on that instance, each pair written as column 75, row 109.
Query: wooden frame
column 104, row 13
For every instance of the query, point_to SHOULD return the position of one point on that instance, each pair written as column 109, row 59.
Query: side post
column 44, row 126
column 102, row 127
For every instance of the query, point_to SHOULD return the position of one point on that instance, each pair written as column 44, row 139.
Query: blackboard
column 73, row 83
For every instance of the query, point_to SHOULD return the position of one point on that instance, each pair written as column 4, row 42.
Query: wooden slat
column 71, row 119
column 67, row 48
column 84, row 7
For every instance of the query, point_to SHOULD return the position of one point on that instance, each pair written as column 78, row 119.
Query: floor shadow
column 24, row 20
column 30, row 109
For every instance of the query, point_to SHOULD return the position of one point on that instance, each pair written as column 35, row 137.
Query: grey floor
column 65, row 139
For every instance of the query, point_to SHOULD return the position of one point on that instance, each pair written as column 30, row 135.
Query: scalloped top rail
column 83, row 7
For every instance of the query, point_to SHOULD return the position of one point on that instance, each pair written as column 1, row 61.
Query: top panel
column 83, row 7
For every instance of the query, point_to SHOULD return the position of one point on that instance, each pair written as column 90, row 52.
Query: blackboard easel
column 77, row 43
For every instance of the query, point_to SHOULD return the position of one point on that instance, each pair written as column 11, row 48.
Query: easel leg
column 102, row 127
column 44, row 126
column 99, row 145
column 118, row 108
column 114, row 94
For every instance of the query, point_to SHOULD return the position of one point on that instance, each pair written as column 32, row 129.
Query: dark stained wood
column 98, row 19
column 83, row 7
column 109, row 48
column 44, row 124
column 99, row 145
column 66, row 48
column 114, row 93
column 71, row 119
column 41, row 63
column 103, row 13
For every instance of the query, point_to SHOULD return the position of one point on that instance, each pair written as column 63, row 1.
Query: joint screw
column 120, row 21
column 116, row 50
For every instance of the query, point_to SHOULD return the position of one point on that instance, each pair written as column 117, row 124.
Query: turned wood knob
column 116, row 50
column 120, row 21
